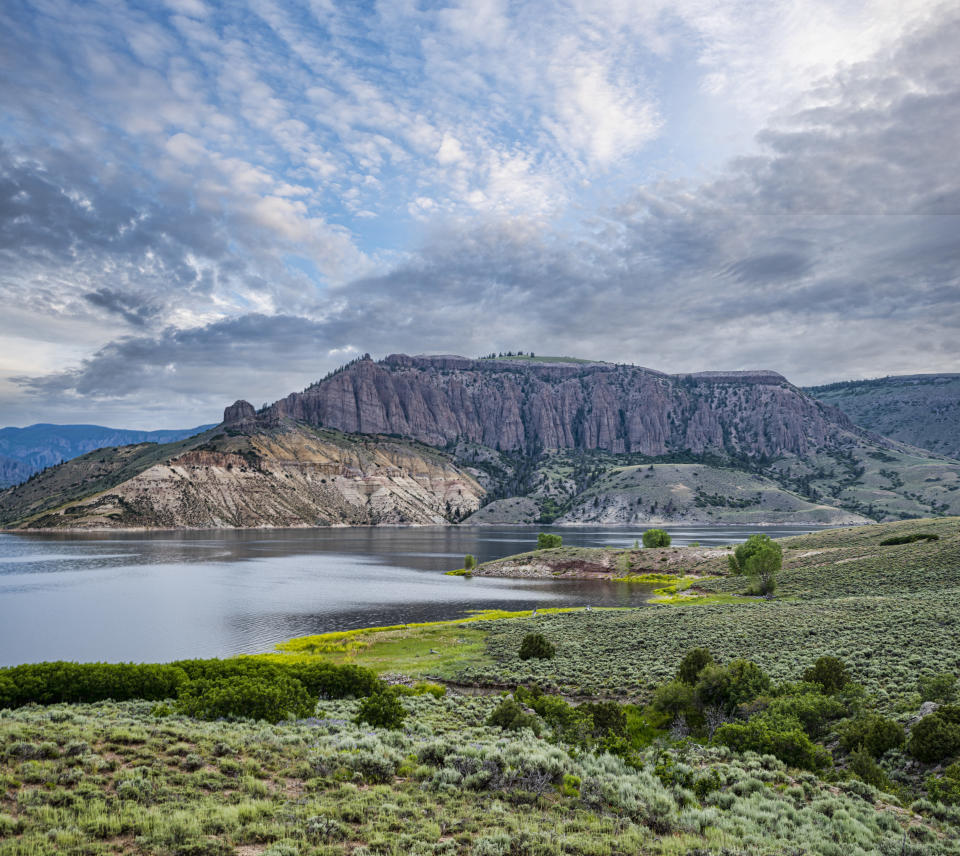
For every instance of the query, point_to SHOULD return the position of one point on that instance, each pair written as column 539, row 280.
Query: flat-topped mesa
column 526, row 404
column 747, row 376
column 451, row 362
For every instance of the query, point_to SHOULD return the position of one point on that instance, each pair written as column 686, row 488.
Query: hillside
column 922, row 410
column 508, row 440
column 289, row 476
column 547, row 428
column 25, row 451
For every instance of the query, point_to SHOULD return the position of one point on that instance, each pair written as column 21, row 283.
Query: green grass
column 435, row 648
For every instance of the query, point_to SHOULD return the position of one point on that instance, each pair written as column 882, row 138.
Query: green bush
column 862, row 765
column 829, row 672
column 323, row 680
column 674, row 699
column 692, row 664
column 940, row 688
column 536, row 646
column 245, row 697
column 547, row 541
column 946, row 788
column 469, row 562
column 810, row 707
column 935, row 737
column 726, row 687
column 609, row 718
column 874, row 733
column 382, row 710
column 909, row 539
column 785, row 739
column 510, row 716
column 656, row 538
column 57, row 682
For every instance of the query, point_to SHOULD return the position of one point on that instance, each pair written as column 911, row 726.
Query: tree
column 738, row 561
column 727, row 686
column 940, row 688
column 873, row 733
column 536, row 646
column 511, row 716
column 674, row 699
column 762, row 568
column 656, row 538
column 547, row 541
column 469, row 562
column 934, row 738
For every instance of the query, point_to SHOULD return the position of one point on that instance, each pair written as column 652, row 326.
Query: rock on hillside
column 525, row 405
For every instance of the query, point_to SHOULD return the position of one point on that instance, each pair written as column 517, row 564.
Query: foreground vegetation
column 820, row 720
column 113, row 778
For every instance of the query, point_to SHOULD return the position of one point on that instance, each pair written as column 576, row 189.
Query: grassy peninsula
column 826, row 723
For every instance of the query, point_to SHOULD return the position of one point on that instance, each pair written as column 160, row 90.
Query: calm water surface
column 167, row 595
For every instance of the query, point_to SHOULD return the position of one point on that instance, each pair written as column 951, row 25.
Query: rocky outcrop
column 239, row 414
column 524, row 405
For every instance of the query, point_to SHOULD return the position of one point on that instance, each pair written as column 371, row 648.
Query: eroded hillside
column 290, row 476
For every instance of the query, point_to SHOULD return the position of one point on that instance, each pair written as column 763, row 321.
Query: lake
column 157, row 596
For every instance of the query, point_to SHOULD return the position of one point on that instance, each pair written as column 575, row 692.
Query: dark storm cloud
column 209, row 360
column 127, row 306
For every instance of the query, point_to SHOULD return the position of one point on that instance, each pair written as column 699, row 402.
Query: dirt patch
column 603, row 564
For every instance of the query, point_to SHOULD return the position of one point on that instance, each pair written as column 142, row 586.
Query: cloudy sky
column 200, row 203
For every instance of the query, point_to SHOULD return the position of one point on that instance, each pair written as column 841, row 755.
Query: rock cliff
column 529, row 405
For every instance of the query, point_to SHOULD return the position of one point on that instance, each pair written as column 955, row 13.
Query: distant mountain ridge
column 25, row 451
column 922, row 410
column 430, row 439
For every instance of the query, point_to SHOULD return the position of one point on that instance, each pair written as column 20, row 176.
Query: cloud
column 248, row 199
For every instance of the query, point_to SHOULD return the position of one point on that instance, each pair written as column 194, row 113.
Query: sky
column 203, row 202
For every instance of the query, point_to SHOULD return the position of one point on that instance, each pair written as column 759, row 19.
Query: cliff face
column 525, row 405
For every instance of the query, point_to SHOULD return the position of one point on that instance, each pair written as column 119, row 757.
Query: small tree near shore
column 547, row 541
column 656, row 538
column 469, row 562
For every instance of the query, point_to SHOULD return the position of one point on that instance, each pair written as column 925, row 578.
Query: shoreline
column 71, row 530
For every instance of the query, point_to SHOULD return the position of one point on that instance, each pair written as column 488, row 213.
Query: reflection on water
column 164, row 595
